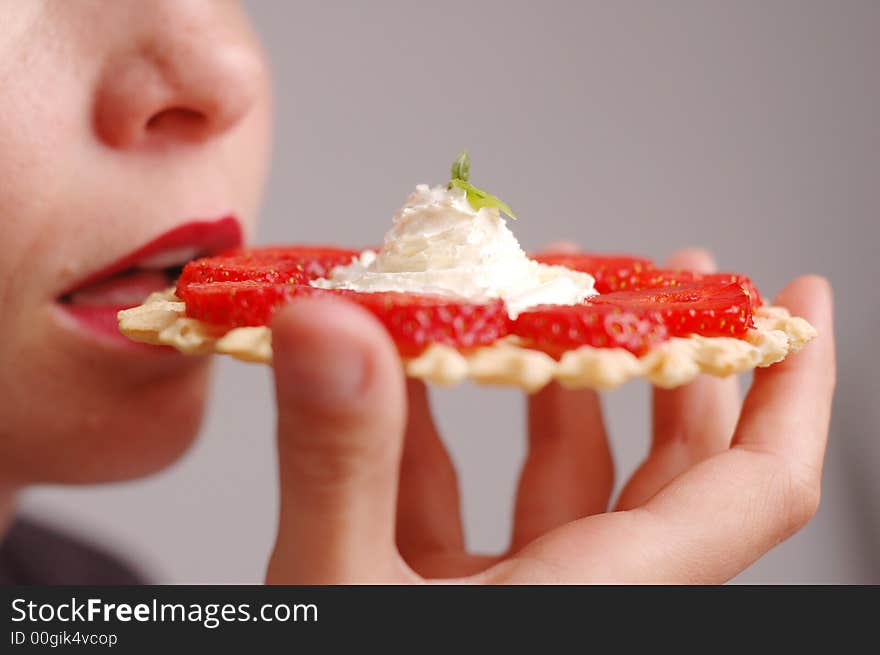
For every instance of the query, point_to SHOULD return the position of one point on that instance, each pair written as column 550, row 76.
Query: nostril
column 177, row 122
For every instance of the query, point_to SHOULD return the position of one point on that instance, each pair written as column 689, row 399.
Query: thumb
column 341, row 414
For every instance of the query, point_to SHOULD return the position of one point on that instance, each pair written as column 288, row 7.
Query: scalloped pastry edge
column 161, row 320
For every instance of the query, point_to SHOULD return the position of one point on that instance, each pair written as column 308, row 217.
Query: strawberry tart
column 462, row 300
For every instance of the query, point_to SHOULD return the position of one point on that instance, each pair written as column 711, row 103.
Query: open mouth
column 129, row 287
column 95, row 300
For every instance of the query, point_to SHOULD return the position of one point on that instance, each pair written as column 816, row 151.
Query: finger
column 428, row 503
column 569, row 472
column 690, row 423
column 766, row 487
column 796, row 392
column 711, row 522
column 341, row 411
column 561, row 246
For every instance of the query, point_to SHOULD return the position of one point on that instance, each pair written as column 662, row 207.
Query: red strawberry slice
column 626, row 272
column 612, row 272
column 413, row 321
column 669, row 278
column 240, row 303
column 292, row 264
column 416, row 321
column 705, row 308
column 317, row 261
column 557, row 328
column 755, row 299
column 239, row 269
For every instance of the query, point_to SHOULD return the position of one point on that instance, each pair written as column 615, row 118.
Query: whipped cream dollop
column 440, row 244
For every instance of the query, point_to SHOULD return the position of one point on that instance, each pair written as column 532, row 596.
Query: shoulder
column 31, row 553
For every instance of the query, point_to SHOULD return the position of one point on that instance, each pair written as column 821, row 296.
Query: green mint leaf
column 479, row 198
column 461, row 167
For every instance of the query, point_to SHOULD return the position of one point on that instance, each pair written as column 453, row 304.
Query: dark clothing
column 34, row 554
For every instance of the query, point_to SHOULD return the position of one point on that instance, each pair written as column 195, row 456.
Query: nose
column 180, row 85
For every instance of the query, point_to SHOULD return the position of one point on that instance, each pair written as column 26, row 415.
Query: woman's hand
column 369, row 494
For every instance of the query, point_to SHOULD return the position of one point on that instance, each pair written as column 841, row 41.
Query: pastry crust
column 162, row 320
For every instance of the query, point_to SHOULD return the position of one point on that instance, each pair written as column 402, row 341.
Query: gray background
column 747, row 127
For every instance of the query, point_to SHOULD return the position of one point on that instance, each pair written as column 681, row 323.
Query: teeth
column 124, row 290
column 167, row 258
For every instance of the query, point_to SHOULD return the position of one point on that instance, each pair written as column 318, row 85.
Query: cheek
column 88, row 425
column 247, row 153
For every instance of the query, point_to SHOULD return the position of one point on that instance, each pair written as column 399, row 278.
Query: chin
column 104, row 429
column 144, row 431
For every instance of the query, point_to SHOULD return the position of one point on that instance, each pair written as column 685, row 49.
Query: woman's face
column 128, row 131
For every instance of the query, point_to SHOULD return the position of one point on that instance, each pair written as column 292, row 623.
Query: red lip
column 208, row 237
column 94, row 301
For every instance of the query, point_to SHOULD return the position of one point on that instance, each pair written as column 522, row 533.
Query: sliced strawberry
column 557, row 328
column 755, row 299
column 705, row 308
column 316, row 261
column 669, row 278
column 413, row 321
column 612, row 272
column 239, row 269
column 292, row 264
column 416, row 321
column 626, row 272
column 240, row 303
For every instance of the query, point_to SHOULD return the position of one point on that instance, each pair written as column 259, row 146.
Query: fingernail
column 320, row 365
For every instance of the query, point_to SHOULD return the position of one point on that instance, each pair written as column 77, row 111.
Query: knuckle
column 798, row 493
column 789, row 496
column 528, row 568
column 328, row 460
column 329, row 466
column 805, row 496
